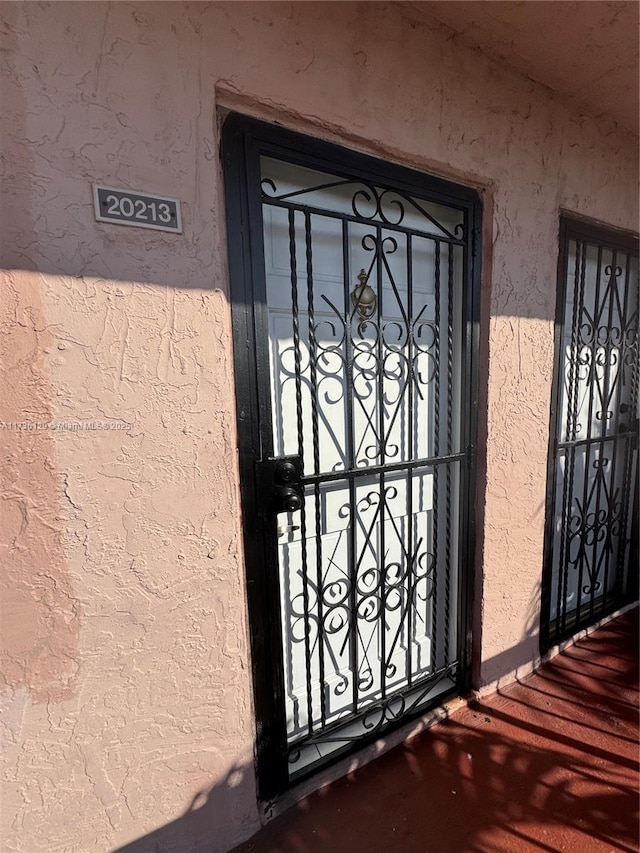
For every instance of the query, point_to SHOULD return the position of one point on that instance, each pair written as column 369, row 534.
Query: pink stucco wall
column 127, row 690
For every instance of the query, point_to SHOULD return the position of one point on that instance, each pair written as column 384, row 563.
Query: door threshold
column 343, row 767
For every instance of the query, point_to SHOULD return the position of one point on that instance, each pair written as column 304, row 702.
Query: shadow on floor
column 548, row 764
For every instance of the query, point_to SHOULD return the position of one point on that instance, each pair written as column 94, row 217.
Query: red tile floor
column 547, row 764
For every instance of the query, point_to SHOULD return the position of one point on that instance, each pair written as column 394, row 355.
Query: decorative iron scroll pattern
column 368, row 203
column 369, row 584
column 596, row 457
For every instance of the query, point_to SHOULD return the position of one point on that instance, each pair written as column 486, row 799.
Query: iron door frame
column 244, row 141
column 581, row 230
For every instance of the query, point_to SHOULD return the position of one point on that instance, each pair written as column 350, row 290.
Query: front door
column 590, row 547
column 353, row 308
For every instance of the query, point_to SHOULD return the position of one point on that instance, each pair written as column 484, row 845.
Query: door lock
column 286, row 472
column 280, row 485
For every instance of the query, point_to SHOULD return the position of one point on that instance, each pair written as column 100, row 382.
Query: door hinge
column 475, row 241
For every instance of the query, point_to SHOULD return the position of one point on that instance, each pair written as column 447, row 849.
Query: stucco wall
column 127, row 694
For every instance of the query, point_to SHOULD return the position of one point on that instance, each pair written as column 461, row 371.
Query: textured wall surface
column 126, row 703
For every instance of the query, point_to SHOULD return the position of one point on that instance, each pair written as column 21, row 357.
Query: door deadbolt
column 285, row 473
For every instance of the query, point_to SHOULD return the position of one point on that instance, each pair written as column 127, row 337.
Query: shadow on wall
column 197, row 830
column 521, row 657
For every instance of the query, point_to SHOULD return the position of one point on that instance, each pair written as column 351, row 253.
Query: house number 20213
column 143, row 210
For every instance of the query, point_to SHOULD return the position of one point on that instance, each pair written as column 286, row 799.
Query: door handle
column 287, row 528
column 288, row 499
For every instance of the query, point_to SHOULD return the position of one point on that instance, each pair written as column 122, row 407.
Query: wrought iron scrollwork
column 364, row 638
column 368, row 203
column 596, row 452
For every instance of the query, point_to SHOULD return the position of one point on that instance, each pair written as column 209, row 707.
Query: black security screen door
column 591, row 555
column 353, row 287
